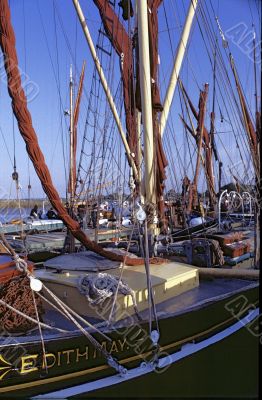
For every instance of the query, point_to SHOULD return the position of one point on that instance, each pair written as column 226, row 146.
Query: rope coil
column 102, row 286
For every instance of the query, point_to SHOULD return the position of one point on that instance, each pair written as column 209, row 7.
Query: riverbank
column 24, row 203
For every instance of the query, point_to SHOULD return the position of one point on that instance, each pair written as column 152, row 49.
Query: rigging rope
column 20, row 109
column 222, row 70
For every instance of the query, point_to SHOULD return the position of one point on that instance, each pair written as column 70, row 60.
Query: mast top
column 71, row 73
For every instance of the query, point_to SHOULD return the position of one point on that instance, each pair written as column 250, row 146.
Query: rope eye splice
column 35, row 284
column 140, row 215
column 21, row 264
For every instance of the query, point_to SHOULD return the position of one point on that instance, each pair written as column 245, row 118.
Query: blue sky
column 49, row 38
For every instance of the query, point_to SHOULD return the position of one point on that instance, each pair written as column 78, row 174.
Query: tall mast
column 255, row 70
column 71, row 131
column 145, row 87
column 177, row 64
column 258, row 132
column 200, row 134
column 202, row 111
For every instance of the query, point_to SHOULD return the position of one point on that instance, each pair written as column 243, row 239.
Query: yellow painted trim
column 105, row 366
column 53, row 379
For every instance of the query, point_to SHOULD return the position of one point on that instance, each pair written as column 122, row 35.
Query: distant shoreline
column 13, row 203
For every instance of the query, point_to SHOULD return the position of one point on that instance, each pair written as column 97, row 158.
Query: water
column 7, row 214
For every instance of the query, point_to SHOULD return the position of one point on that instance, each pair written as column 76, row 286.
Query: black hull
column 228, row 367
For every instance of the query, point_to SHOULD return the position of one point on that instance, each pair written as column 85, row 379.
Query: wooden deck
column 54, row 241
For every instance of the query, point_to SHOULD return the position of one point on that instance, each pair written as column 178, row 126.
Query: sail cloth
column 22, row 114
column 122, row 44
column 156, row 104
column 153, row 53
column 153, row 49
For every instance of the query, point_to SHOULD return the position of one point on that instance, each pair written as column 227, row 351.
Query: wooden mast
column 258, row 133
column 71, row 131
column 202, row 111
column 71, row 186
column 199, row 138
column 177, row 64
column 206, row 144
column 145, row 87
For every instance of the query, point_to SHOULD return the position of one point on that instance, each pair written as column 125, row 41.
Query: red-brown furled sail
column 122, row 44
column 156, row 104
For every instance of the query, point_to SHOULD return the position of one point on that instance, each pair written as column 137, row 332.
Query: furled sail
column 156, row 103
column 122, row 44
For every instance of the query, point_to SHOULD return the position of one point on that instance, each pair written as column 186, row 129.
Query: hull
column 199, row 375
column 193, row 345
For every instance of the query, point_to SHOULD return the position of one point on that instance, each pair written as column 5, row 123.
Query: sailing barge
column 198, row 321
column 117, row 324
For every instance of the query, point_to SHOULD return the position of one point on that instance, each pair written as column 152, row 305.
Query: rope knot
column 21, row 264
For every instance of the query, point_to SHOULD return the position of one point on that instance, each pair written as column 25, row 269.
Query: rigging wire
column 177, row 17
column 95, row 110
column 25, row 68
column 208, row 18
column 14, row 144
column 70, row 50
column 222, row 69
column 60, row 98
column 57, row 81
column 170, row 121
column 6, row 147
